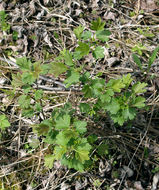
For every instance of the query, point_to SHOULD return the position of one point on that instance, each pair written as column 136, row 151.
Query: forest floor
column 39, row 30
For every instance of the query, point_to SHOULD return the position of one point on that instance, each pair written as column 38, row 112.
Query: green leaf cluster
column 3, row 23
column 150, row 61
column 4, row 123
column 66, row 134
column 139, row 48
column 88, row 42
column 117, row 97
column 29, row 72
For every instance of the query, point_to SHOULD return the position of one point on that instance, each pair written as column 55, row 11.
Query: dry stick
column 9, row 62
column 19, row 130
column 132, row 26
column 49, row 179
column 21, row 160
column 137, row 147
column 141, row 161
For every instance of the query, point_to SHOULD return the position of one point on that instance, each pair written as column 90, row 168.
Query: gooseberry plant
column 65, row 131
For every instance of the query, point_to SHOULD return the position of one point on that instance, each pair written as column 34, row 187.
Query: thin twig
column 148, row 126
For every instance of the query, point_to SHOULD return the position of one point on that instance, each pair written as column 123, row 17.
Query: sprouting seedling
column 152, row 58
column 139, row 48
column 150, row 61
column 137, row 61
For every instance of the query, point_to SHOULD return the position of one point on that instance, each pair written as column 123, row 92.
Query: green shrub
column 64, row 130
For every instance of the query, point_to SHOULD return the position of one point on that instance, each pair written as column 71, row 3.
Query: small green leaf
column 139, row 102
column 24, row 101
column 73, row 163
column 118, row 118
column 3, row 15
column 103, row 35
column 137, row 61
column 62, row 122
column 17, row 80
column 84, row 107
column 57, row 68
column 77, row 55
column 88, row 91
column 62, row 139
column 116, row 85
column 72, row 78
column 28, row 112
column 82, row 154
column 98, row 53
column 82, row 151
column 67, row 56
column 44, row 69
column 26, row 88
column 113, row 107
column 98, row 86
column 42, row 128
column 81, row 50
column 85, row 77
column 86, row 35
column 37, row 69
column 51, row 136
column 92, row 138
column 127, row 79
column 78, row 31
column 3, row 23
column 139, row 48
column 103, row 149
column 129, row 113
column 4, row 123
column 49, row 160
column 38, row 94
column 139, row 87
column 106, row 97
column 38, row 107
column 97, row 25
column 28, row 78
column 24, row 64
column 15, row 35
column 59, row 152
column 152, row 58
column 80, row 126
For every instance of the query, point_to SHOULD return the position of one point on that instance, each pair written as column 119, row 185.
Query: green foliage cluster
column 30, row 100
column 64, row 130
column 139, row 48
column 5, row 26
column 3, row 22
column 116, row 97
column 66, row 133
column 150, row 61
column 4, row 123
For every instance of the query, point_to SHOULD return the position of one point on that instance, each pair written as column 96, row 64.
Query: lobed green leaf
column 4, row 123
column 62, row 122
column 97, row 24
column 103, row 35
column 78, row 31
column 98, row 53
column 57, row 68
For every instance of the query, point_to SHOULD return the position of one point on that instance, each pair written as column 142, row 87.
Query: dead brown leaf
column 147, row 5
